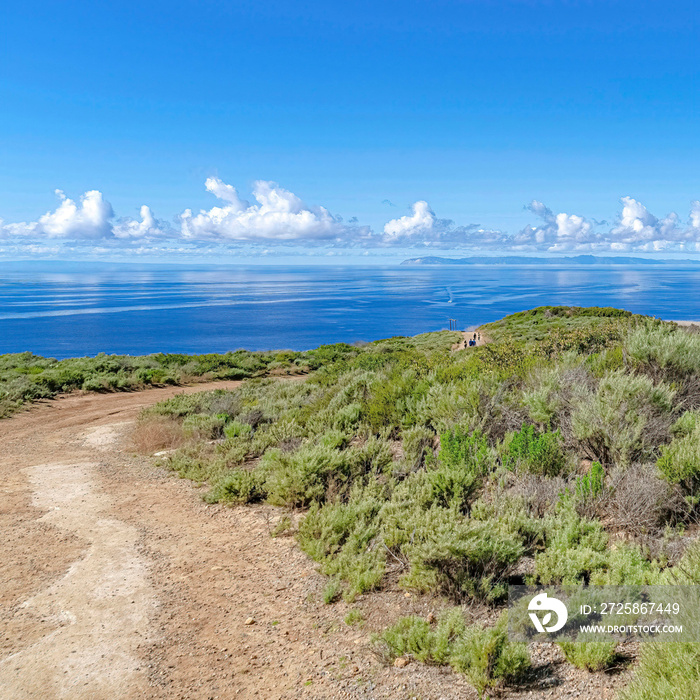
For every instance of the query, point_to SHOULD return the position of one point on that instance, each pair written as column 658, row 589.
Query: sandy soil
column 481, row 339
column 117, row 581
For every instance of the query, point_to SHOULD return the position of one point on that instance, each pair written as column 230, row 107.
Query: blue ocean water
column 73, row 310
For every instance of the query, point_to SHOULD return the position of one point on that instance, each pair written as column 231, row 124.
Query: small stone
column 250, row 621
column 400, row 662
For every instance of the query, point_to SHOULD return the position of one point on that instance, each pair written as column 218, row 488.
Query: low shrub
column 343, row 538
column 236, row 429
column 680, row 460
column 666, row 671
column 332, row 591
column 538, row 494
column 460, row 558
column 591, row 485
column 624, row 420
column 238, row 487
column 300, row 478
column 355, row 618
column 575, row 548
column 640, row 502
column 534, row 453
column 417, row 443
column 203, row 427
column 591, row 655
column 664, row 350
column 484, row 655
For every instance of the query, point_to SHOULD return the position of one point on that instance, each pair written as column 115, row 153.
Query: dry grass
column 637, row 502
column 154, row 433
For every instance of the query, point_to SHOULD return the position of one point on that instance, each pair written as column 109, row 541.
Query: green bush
column 624, row 419
column 235, row 429
column 203, row 427
column 541, row 395
column 466, row 449
column 454, row 403
column 463, row 459
column 576, row 547
column 300, row 478
column 483, row 654
column 343, row 537
column 591, row 485
column 592, row 655
column 460, row 558
column 417, row 445
column 354, row 618
column 577, row 552
column 532, row 453
column 666, row 671
column 240, row 486
column 680, row 461
column 665, row 347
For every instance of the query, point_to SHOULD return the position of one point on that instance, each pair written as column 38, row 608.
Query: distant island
column 519, row 260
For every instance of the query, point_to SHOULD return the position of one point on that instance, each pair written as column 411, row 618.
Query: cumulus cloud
column 635, row 230
column 279, row 216
column 406, row 228
column 148, row 227
column 276, row 216
column 226, row 193
column 90, row 218
column 638, row 228
column 422, row 228
column 557, row 232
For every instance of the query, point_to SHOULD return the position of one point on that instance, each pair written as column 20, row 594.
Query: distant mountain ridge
column 518, row 260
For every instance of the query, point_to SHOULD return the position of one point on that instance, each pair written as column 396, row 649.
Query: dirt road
column 117, row 581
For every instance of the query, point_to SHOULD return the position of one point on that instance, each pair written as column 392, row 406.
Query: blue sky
column 471, row 125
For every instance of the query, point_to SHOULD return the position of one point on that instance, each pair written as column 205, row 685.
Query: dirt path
column 117, row 581
column 468, row 335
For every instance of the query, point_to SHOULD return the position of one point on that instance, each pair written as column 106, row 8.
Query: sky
column 356, row 131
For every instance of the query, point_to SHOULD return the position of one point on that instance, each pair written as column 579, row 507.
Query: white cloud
column 558, row 232
column 406, row 228
column 91, row 218
column 638, row 226
column 423, row 228
column 695, row 215
column 226, row 193
column 636, row 230
column 279, row 216
column 148, row 227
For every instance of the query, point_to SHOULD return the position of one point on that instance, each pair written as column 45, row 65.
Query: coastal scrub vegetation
column 565, row 451
column 25, row 377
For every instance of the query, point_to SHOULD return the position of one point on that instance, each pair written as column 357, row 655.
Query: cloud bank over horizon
column 279, row 218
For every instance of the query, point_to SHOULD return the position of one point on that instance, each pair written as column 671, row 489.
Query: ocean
column 69, row 310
